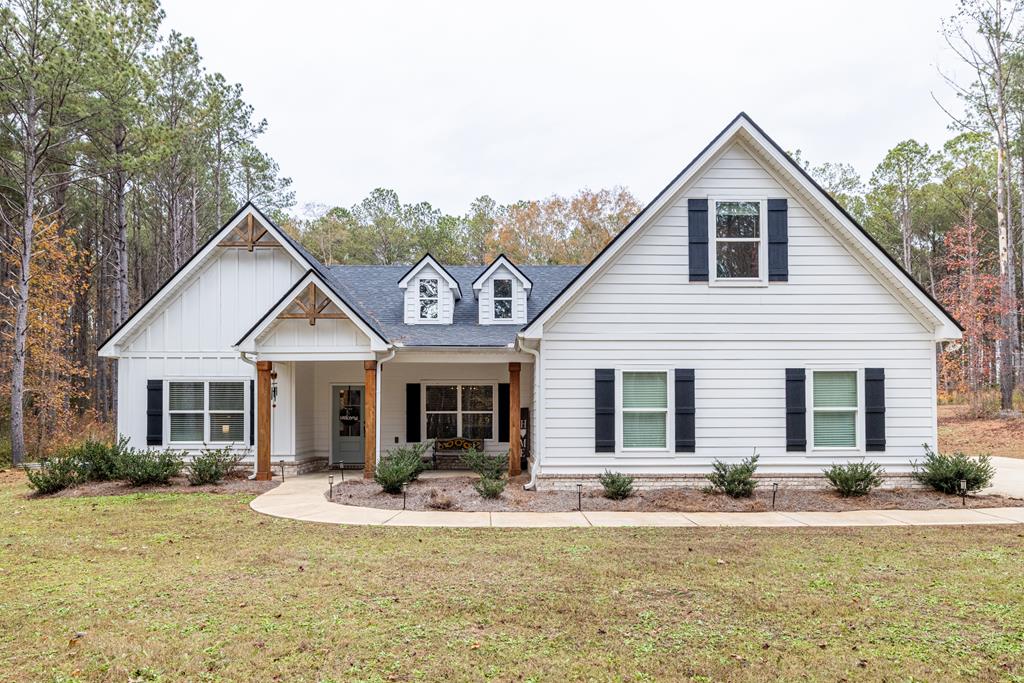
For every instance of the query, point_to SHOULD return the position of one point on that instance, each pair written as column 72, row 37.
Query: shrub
column 394, row 472
column 212, row 465
column 487, row 466
column 616, row 485
column 144, row 467
column 855, row 478
column 736, row 480
column 488, row 487
column 412, row 456
column 99, row 460
column 944, row 472
column 55, row 474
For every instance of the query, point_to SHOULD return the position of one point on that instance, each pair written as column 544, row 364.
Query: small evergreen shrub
column 146, row 467
column 55, row 474
column 855, row 478
column 412, row 456
column 394, row 472
column 944, row 472
column 488, row 487
column 736, row 481
column 99, row 460
column 212, row 465
column 487, row 466
column 617, row 486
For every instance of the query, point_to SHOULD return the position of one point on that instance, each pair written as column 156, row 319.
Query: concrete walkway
column 303, row 498
column 1009, row 479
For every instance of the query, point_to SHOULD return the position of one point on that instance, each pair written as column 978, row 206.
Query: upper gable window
column 502, row 299
column 428, row 299
column 738, row 241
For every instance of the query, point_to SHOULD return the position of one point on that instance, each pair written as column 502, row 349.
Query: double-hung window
column 502, row 299
column 428, row 299
column 206, row 412
column 835, row 409
column 465, row 410
column 644, row 410
column 738, row 245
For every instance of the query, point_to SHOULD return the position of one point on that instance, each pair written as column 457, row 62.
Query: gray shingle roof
column 373, row 291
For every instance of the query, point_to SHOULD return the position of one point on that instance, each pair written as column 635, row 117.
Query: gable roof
column 296, row 250
column 743, row 126
column 503, row 260
column 429, row 260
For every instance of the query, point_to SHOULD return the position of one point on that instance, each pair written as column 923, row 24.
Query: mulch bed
column 236, row 483
column 457, row 493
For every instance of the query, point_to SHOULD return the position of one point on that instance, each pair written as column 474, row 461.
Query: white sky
column 447, row 101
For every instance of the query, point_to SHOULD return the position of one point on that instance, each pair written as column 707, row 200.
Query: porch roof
column 371, row 291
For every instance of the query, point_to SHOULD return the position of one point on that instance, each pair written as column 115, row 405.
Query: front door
column 347, row 425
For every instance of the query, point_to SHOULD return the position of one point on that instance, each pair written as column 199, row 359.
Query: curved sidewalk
column 303, row 498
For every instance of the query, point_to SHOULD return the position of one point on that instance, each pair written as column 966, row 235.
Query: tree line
column 120, row 153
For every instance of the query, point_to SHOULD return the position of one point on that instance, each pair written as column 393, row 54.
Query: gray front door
column 347, row 424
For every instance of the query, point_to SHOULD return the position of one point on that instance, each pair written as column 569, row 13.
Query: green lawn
column 198, row 587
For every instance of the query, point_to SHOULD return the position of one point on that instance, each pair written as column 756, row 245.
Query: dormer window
column 502, row 299
column 428, row 299
column 738, row 246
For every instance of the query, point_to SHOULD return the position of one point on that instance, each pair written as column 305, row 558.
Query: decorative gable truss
column 250, row 234
column 312, row 305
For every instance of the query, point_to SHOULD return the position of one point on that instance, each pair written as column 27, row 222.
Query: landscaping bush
column 394, row 472
column 99, row 460
column 617, row 486
column 737, row 480
column 412, row 456
column 488, row 487
column 855, row 478
column 212, row 465
column 144, row 467
column 944, row 472
column 487, row 466
column 55, row 474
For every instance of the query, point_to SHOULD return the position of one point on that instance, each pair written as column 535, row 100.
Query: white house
column 741, row 309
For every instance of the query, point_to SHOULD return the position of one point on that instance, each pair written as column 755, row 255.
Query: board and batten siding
column 643, row 312
column 486, row 300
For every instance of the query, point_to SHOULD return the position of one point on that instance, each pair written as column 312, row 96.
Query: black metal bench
column 447, row 453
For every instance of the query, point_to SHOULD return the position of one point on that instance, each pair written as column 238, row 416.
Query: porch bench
column 447, row 453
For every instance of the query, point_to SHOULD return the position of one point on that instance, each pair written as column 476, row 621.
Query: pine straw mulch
column 237, row 482
column 457, row 493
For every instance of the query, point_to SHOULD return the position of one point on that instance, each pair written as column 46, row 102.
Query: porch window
column 428, row 299
column 206, row 412
column 502, row 299
column 644, row 410
column 459, row 410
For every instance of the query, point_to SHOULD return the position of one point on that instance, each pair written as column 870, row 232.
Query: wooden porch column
column 370, row 421
column 263, row 368
column 515, row 446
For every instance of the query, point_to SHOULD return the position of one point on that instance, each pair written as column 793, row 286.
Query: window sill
column 738, row 283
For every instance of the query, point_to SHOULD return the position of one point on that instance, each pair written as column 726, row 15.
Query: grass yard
column 985, row 436
column 197, row 587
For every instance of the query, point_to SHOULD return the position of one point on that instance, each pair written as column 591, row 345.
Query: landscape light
column 963, row 491
column 775, row 489
column 579, row 497
column 330, row 480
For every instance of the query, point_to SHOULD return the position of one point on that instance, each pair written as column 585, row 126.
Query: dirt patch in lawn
column 238, row 483
column 457, row 493
column 986, row 436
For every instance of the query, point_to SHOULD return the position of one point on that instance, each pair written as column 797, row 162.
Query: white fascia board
column 429, row 260
column 495, row 264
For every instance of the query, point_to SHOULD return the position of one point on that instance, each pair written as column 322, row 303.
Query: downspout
column 244, row 356
column 380, row 371
column 537, row 403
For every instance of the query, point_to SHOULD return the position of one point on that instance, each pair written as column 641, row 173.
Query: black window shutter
column 778, row 240
column 154, row 412
column 874, row 409
column 503, row 408
column 698, row 232
column 252, row 412
column 412, row 413
column 604, row 411
column 796, row 409
column 686, row 440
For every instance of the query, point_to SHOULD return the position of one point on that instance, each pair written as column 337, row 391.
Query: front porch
column 315, row 414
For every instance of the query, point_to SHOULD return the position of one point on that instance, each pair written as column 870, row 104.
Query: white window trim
column 670, row 409
column 247, row 400
column 762, row 251
column 458, row 406
column 858, row 418
column 420, row 298
column 511, row 299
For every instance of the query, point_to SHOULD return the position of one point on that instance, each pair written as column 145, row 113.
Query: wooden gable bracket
column 311, row 304
column 248, row 236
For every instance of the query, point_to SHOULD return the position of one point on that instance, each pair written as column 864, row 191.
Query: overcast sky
column 445, row 101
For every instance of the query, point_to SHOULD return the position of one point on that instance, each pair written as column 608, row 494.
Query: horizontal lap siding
column 642, row 310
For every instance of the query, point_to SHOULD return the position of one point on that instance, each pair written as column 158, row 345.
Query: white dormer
column 502, row 291
column 430, row 293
